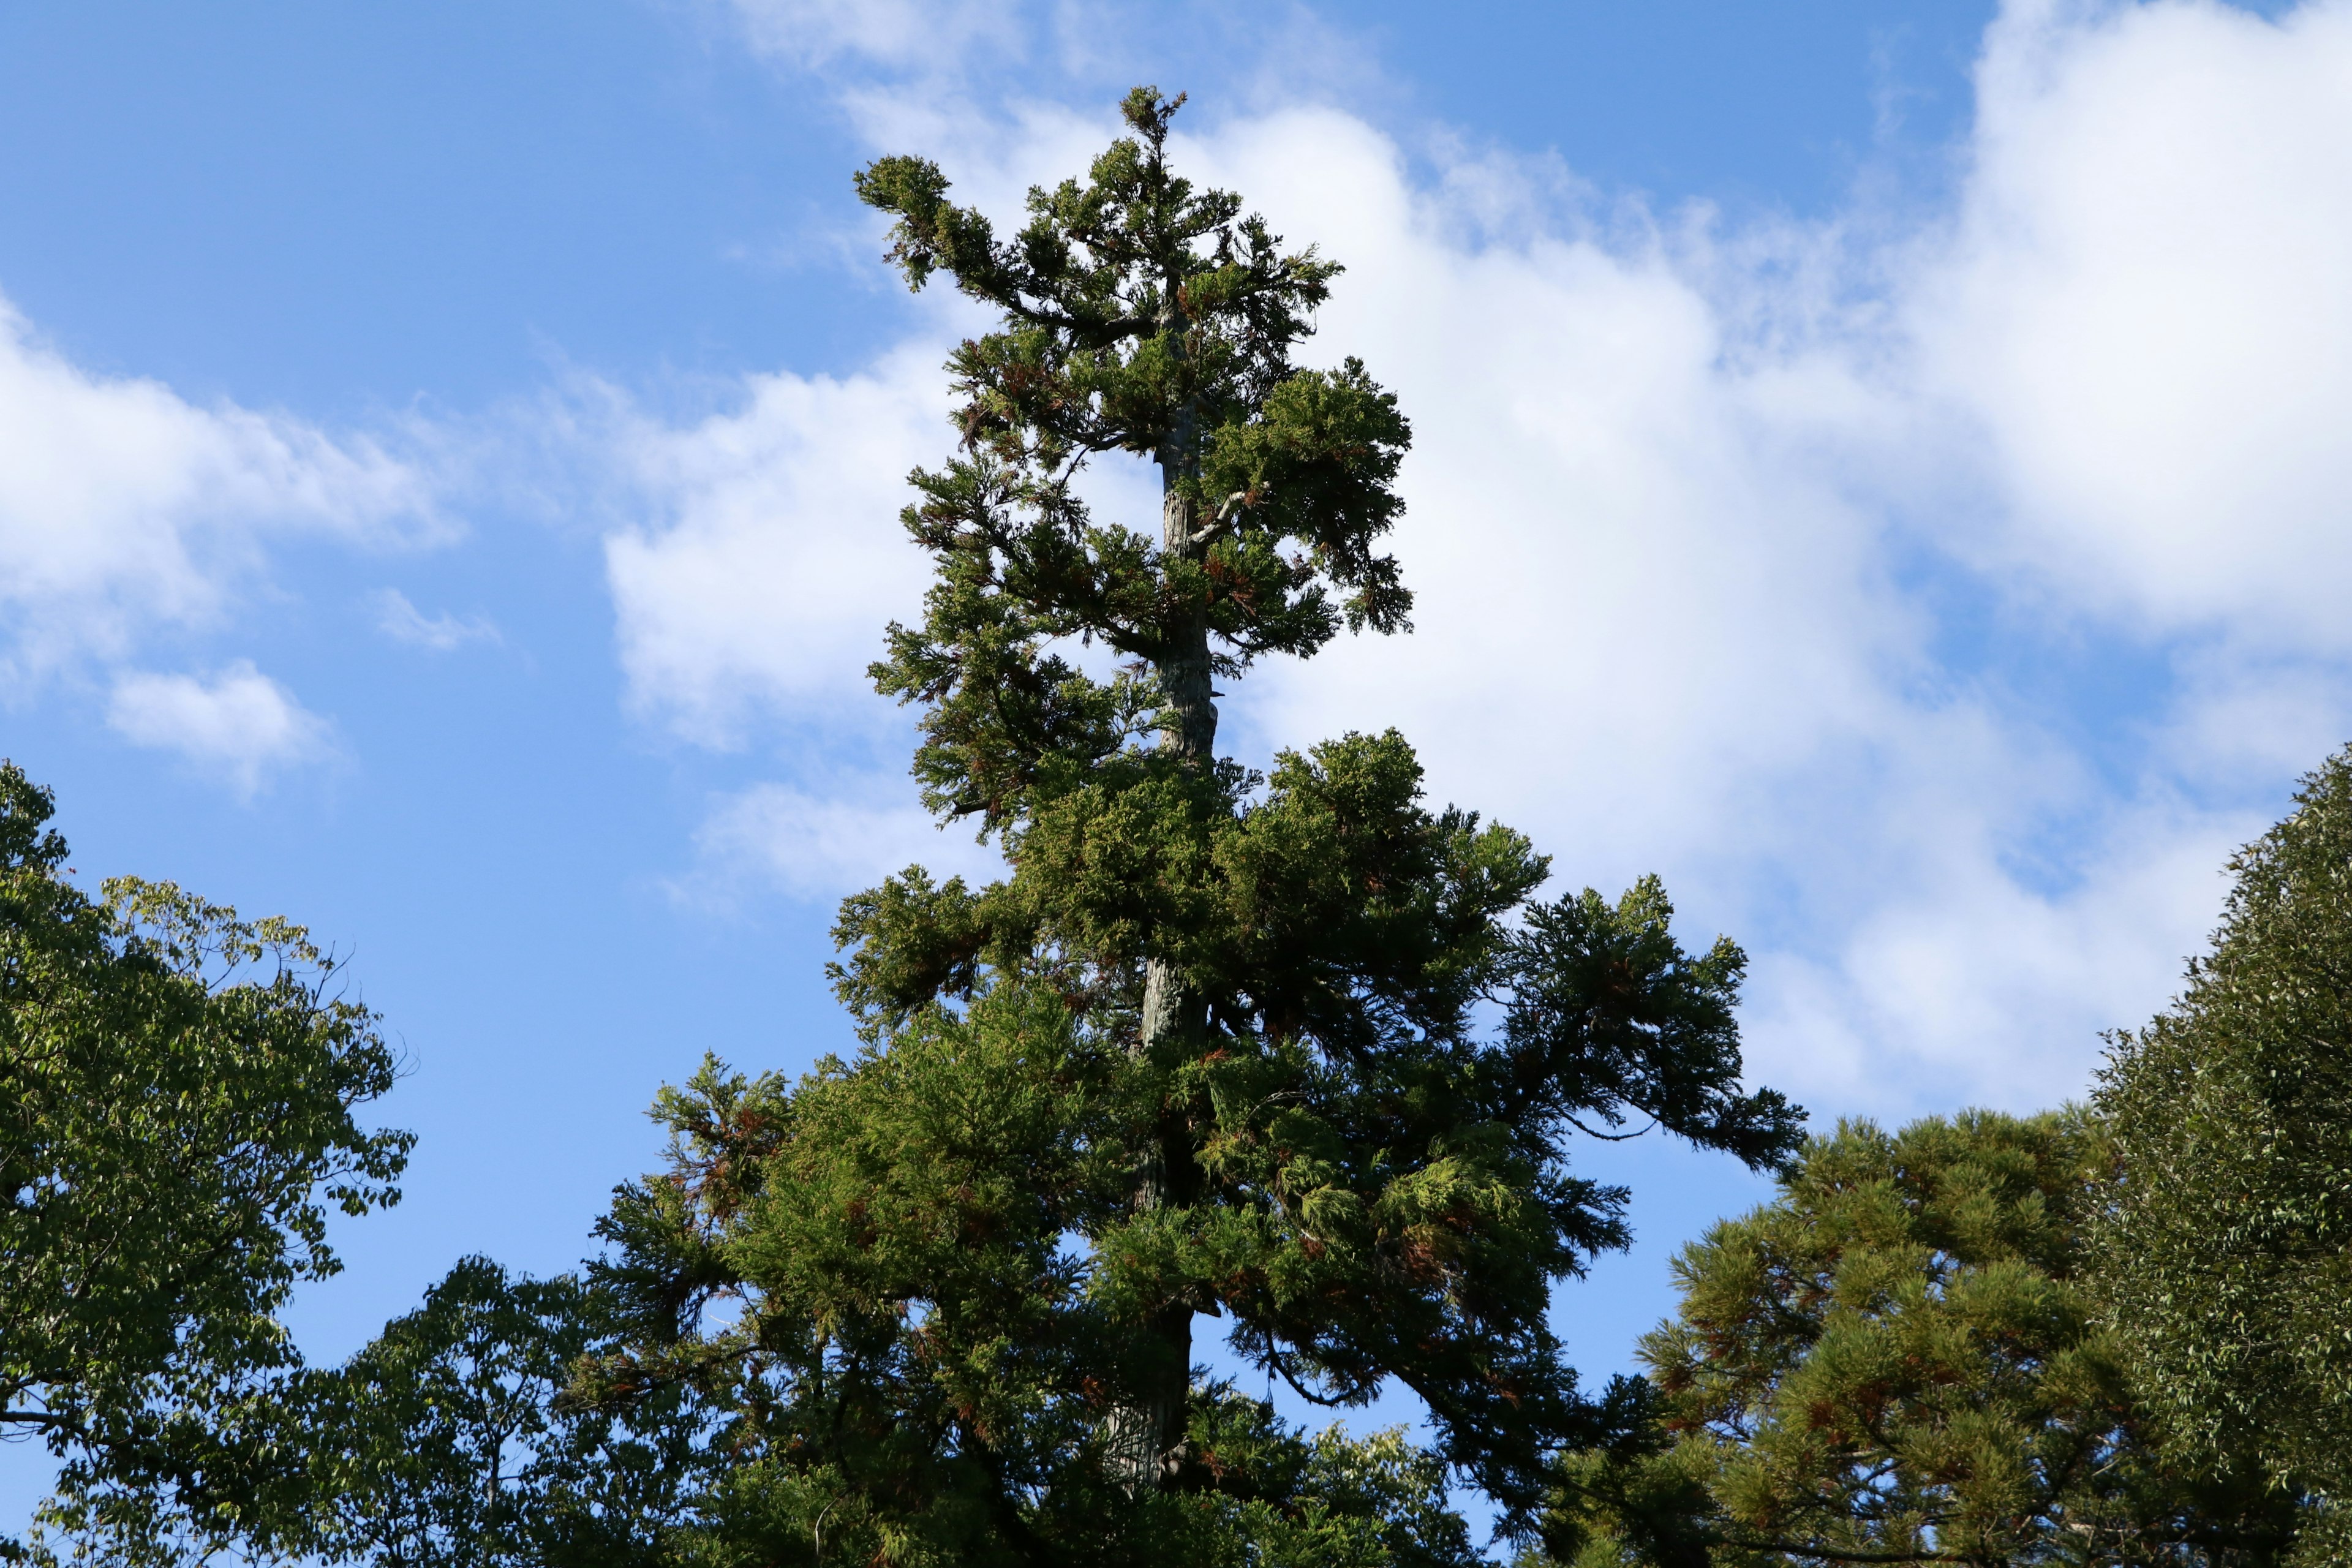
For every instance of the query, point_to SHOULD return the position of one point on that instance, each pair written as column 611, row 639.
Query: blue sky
column 1877, row 467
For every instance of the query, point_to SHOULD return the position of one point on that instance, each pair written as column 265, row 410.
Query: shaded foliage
column 1897, row 1360
column 178, row 1100
column 2228, row 1250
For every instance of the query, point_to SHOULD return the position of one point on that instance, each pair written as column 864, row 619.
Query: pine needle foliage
column 1296, row 1052
column 1898, row 1361
column 2228, row 1251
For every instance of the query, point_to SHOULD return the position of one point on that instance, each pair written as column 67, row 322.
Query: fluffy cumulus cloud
column 1796, row 566
column 237, row 723
column 2142, row 305
column 127, row 511
column 762, row 582
column 124, row 507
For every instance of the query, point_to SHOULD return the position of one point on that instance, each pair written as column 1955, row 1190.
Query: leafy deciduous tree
column 2227, row 1254
column 442, row 1444
column 178, row 1090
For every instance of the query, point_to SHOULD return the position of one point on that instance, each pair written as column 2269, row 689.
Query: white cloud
column 1689, row 510
column 403, row 622
column 2143, row 305
column 1983, row 988
column 929, row 35
column 1658, row 627
column 772, row 561
column 1606, row 524
column 123, row 507
column 824, row 846
column 238, row 724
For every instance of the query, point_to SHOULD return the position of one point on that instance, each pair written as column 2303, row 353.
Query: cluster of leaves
column 445, row 1444
column 2227, row 1250
column 178, row 1090
column 1899, row 1362
column 878, row 1274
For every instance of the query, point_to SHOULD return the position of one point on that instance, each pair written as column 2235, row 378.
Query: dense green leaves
column 178, row 1090
column 1297, row 1052
column 2229, row 1247
column 889, row 1304
column 1897, row 1360
column 442, row 1443
column 1381, row 1189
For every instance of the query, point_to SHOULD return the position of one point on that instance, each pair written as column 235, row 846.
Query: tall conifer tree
column 1296, row 1051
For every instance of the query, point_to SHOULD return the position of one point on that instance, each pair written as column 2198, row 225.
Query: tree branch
column 1208, row 531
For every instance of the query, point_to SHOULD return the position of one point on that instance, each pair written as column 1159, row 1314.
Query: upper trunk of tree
column 1148, row 1441
column 1191, row 729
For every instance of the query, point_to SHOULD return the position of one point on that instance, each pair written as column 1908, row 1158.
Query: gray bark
column 1190, row 730
column 1145, row 1442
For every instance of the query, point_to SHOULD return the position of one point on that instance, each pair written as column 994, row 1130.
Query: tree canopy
column 442, row 1443
column 2228, row 1248
column 178, row 1100
column 1898, row 1361
column 1296, row 1051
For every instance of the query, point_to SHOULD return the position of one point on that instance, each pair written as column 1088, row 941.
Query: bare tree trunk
column 1190, row 730
column 1146, row 1441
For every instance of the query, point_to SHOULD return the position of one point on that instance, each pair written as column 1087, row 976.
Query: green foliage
column 2228, row 1252
column 1383, row 1193
column 869, row 1269
column 177, row 1098
column 1139, row 315
column 1897, row 1360
column 442, row 1445
column 873, row 1272
column 1296, row 1051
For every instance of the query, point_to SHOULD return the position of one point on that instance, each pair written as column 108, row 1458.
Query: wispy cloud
column 403, row 622
column 124, row 507
column 235, row 725
column 926, row 35
column 822, row 847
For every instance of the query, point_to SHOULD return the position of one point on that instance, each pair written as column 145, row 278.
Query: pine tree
column 1296, row 1051
column 1898, row 1361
